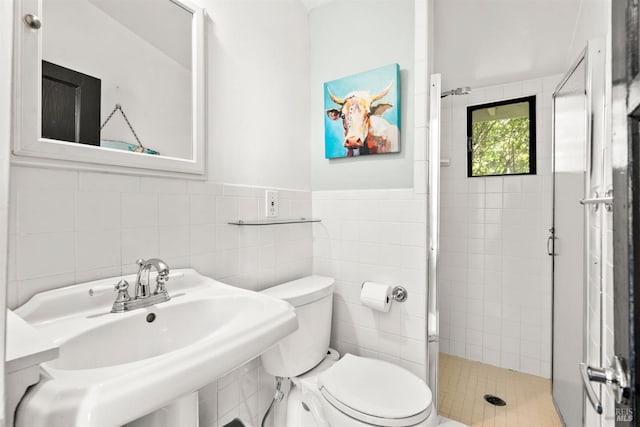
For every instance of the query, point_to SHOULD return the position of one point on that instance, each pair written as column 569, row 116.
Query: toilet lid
column 376, row 391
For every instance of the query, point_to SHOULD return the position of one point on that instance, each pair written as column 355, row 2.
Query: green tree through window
column 501, row 138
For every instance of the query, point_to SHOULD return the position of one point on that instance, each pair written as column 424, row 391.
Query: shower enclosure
column 577, row 241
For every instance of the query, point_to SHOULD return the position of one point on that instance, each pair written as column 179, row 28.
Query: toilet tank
column 312, row 298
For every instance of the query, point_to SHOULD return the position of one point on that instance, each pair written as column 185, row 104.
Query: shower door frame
column 433, row 227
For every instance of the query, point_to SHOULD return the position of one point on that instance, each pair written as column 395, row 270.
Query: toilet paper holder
column 399, row 293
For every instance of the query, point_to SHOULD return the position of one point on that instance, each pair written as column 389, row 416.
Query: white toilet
column 351, row 391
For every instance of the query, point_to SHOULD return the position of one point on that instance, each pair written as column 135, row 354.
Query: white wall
column 153, row 89
column 94, row 225
column 348, row 37
column 258, row 84
column 495, row 274
column 592, row 21
column 6, row 41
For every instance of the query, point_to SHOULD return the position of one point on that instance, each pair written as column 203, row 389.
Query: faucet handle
column 123, row 296
column 140, row 262
column 121, row 286
column 161, row 279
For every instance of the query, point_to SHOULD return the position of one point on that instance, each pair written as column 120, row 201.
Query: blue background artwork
column 374, row 81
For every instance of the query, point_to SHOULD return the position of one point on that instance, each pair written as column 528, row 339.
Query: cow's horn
column 382, row 94
column 335, row 98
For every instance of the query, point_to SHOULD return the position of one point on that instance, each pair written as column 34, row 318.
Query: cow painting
column 369, row 121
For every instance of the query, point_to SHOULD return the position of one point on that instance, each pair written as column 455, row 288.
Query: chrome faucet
column 143, row 290
column 143, row 296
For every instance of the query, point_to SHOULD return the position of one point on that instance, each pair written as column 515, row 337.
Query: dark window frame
column 532, row 134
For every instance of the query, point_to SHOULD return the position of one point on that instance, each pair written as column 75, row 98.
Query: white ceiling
column 310, row 4
column 485, row 42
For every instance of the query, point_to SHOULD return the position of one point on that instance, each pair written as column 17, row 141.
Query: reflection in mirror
column 117, row 74
column 570, row 131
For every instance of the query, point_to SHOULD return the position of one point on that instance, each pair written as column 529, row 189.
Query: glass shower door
column 579, row 226
column 569, row 181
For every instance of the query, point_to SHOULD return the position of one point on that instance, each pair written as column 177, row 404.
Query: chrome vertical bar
column 433, row 218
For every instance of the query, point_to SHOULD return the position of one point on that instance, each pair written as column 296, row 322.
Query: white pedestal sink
column 117, row 367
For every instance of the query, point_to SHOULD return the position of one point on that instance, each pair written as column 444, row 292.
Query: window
column 501, row 138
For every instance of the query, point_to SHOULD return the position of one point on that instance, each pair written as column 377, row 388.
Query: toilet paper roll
column 376, row 296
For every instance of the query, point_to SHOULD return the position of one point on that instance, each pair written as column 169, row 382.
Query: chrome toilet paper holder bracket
column 399, row 293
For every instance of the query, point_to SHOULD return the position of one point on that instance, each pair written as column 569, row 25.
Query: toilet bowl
column 352, row 391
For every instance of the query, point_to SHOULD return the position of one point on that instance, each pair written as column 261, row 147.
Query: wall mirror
column 115, row 84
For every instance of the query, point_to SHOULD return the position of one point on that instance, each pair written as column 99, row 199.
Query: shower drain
column 494, row 400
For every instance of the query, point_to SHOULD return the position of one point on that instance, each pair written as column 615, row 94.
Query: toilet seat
column 376, row 392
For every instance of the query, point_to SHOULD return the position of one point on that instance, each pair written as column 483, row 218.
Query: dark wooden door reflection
column 70, row 105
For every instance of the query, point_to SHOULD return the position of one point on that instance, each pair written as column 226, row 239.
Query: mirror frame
column 29, row 148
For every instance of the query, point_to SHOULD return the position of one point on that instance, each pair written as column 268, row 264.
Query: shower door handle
column 616, row 376
column 589, row 374
column 550, row 246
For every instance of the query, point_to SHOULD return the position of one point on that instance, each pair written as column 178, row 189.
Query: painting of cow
column 363, row 113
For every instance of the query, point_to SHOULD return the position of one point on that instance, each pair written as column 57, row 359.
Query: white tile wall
column 495, row 287
column 68, row 226
column 376, row 235
column 82, row 224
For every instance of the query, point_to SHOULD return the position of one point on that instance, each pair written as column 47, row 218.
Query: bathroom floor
column 463, row 384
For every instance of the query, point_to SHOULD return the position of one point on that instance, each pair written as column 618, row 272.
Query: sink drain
column 494, row 400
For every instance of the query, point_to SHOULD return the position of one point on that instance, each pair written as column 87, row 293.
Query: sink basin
column 116, row 367
column 174, row 326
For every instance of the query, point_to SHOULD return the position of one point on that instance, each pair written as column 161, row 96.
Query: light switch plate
column 272, row 203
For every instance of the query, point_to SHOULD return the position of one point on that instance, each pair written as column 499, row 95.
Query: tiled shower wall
column 67, row 227
column 495, row 274
column 375, row 235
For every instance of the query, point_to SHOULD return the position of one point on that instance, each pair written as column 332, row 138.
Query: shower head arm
column 457, row 91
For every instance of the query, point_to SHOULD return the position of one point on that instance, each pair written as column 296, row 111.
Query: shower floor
column 463, row 384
